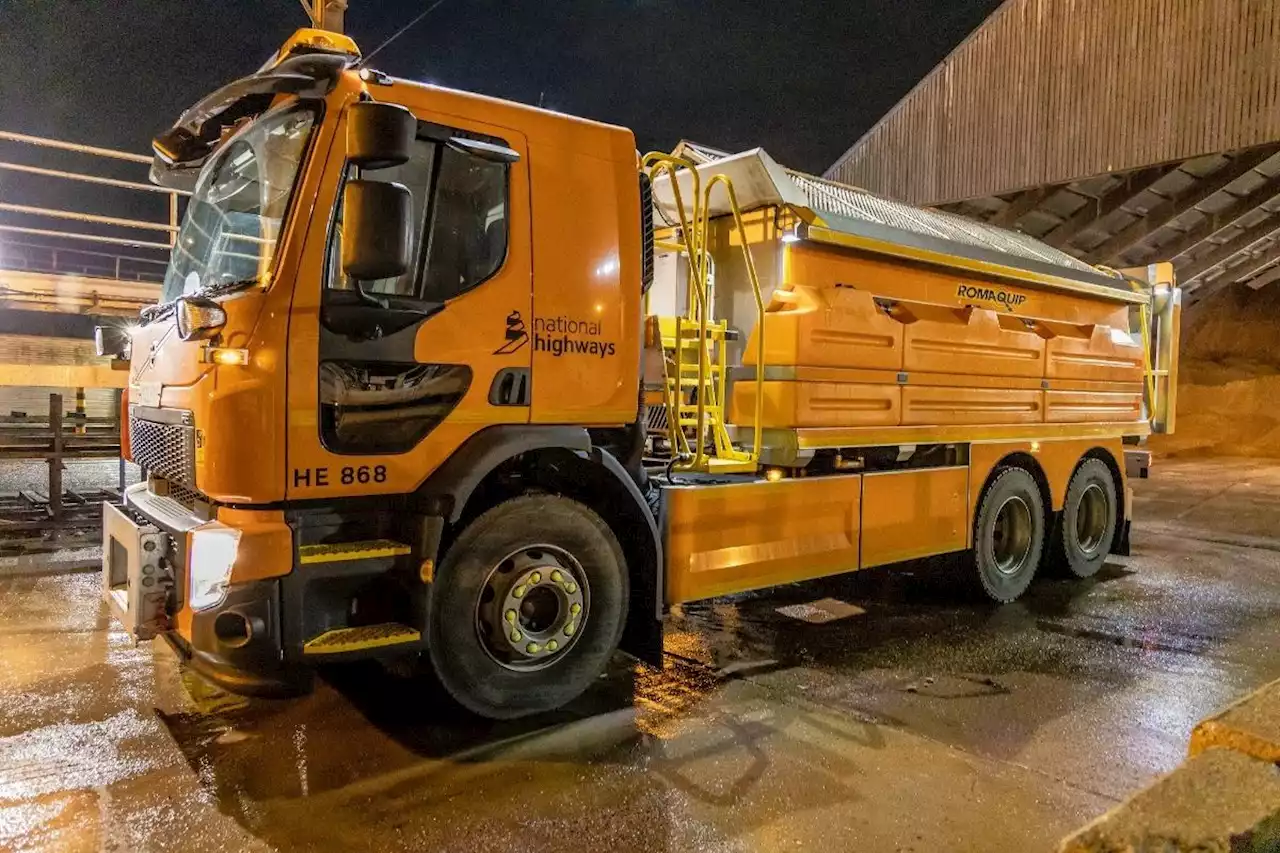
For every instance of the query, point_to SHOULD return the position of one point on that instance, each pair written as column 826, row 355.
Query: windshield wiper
column 224, row 287
column 155, row 313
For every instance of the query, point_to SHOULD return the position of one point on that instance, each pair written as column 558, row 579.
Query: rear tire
column 1087, row 529
column 1008, row 534
column 527, row 607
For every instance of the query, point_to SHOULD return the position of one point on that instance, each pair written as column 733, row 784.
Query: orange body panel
column 970, row 341
column 586, row 234
column 818, row 404
column 1091, row 352
column 940, row 405
column 963, row 351
column 826, row 267
column 1094, row 406
column 909, row 514
column 834, row 327
column 729, row 538
column 266, row 543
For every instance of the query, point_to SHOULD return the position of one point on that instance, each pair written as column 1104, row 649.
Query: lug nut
column 536, row 577
column 511, row 616
column 552, row 645
column 569, row 629
column 533, row 648
column 575, row 608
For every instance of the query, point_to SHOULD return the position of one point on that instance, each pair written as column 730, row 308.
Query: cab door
column 387, row 378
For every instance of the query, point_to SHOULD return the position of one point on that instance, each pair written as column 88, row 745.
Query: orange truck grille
column 166, row 450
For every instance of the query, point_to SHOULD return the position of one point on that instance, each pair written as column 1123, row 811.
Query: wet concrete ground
column 882, row 711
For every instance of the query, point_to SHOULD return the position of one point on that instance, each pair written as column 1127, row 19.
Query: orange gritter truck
column 442, row 377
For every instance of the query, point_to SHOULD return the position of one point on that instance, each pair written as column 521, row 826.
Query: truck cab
column 364, row 287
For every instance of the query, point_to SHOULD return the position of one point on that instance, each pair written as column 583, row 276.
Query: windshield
column 236, row 213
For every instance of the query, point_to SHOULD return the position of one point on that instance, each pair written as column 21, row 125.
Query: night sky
column 803, row 78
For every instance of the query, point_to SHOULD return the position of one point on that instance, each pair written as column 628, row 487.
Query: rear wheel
column 1088, row 527
column 1008, row 534
column 527, row 607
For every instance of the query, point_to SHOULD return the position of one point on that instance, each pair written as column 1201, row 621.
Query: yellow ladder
column 695, row 357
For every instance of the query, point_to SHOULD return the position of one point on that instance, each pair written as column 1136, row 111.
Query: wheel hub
column 1011, row 536
column 532, row 607
column 1091, row 518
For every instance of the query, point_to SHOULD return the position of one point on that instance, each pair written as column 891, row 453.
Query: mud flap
column 642, row 637
column 1121, row 546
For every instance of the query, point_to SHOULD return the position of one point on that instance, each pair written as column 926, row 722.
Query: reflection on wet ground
column 885, row 710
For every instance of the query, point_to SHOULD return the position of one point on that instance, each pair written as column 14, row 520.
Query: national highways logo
column 1006, row 299
column 558, row 336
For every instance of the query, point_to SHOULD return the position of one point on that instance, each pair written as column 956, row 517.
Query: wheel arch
column 1026, row 461
column 505, row 461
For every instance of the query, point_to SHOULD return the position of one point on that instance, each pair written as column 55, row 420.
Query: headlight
column 213, row 553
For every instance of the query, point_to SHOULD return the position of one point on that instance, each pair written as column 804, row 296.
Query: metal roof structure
column 1120, row 133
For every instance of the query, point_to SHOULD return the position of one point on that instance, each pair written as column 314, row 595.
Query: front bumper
column 236, row 644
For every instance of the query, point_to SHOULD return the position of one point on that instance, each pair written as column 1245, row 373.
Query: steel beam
column 1021, row 206
column 1162, row 214
column 1096, row 208
column 1254, row 266
column 1223, row 252
column 1268, row 192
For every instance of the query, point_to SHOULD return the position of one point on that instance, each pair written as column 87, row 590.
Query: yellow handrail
column 695, row 230
column 755, row 291
column 658, row 162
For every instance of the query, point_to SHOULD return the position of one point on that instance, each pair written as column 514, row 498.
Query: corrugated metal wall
column 1055, row 90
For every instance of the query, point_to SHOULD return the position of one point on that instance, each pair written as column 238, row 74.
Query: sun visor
column 182, row 149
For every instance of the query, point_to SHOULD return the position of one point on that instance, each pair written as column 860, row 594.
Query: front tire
column 527, row 607
column 1088, row 528
column 1008, row 534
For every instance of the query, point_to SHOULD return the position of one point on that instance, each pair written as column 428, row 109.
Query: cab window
column 460, row 228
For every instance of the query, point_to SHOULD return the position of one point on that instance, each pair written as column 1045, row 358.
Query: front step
column 344, row 640
column 338, row 552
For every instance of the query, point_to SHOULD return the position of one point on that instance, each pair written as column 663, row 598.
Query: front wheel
column 527, row 607
column 1008, row 534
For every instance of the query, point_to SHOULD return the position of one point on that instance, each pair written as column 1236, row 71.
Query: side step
column 342, row 551
column 343, row 640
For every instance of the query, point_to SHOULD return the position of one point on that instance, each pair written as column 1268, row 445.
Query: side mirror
column 375, row 229
column 112, row 341
column 199, row 318
column 379, row 135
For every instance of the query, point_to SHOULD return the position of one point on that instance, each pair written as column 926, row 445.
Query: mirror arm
column 366, row 297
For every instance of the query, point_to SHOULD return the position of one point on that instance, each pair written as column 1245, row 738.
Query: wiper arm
column 222, row 288
column 154, row 313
